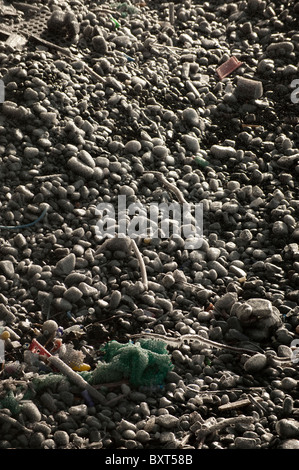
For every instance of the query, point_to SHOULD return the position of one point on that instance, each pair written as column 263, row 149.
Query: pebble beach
column 188, row 102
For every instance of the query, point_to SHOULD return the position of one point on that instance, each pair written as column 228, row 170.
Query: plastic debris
column 146, row 362
column 76, row 378
column 5, row 335
column 87, row 398
column 129, row 59
column 116, row 23
column 36, row 348
column 228, row 67
column 15, row 227
column 201, row 161
column 15, row 42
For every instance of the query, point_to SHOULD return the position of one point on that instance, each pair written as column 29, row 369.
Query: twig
column 184, row 441
column 141, row 264
column 242, row 390
column 239, row 404
column 66, row 52
column 116, row 316
column 201, row 442
column 209, row 426
column 195, row 338
column 171, row 13
column 50, row 44
column 255, row 401
column 127, row 244
column 45, row 177
column 25, row 7
column 168, row 185
column 13, row 422
column 201, row 339
column 114, row 400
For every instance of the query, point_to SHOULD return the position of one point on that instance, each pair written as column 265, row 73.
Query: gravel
column 134, row 107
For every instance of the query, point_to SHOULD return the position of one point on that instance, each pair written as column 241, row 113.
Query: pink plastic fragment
column 228, row 67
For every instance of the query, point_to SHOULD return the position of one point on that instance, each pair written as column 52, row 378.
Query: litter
column 15, row 227
column 228, row 67
column 36, row 348
column 116, row 23
column 201, row 161
column 144, row 363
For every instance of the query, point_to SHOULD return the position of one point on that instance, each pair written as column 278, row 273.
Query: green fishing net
column 43, row 382
column 10, row 402
column 146, row 362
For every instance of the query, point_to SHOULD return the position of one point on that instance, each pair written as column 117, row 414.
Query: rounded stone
column 31, row 411
column 133, row 146
column 192, row 143
column 61, row 438
column 167, row 421
column 100, row 44
column 290, row 444
column 287, row 428
column 288, row 383
column 190, row 116
column 255, row 363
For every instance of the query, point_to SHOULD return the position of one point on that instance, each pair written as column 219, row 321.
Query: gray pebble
column 249, row 89
column 245, row 443
column 86, row 289
column 190, row 116
column 48, row 401
column 192, row 143
column 290, row 444
column 7, row 268
column 222, row 152
column 6, row 314
column 213, row 253
column 220, row 270
column 260, row 307
column 288, row 383
column 48, row 444
column 30, row 410
column 100, row 44
column 66, row 265
column 86, row 158
column 280, row 229
column 287, row 428
column 160, row 151
column 61, row 438
column 226, row 302
column 255, row 363
column 167, row 421
column 282, row 47
column 115, row 299
column 79, row 411
column 142, row 436
column 73, row 294
column 31, row 152
column 133, row 146
column 128, row 434
column 80, row 168
column 125, row 425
